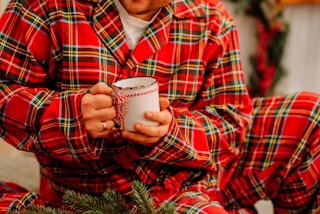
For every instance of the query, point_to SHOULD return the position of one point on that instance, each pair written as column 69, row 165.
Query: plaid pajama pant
column 280, row 161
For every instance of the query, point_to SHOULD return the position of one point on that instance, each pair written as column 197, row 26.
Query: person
column 216, row 149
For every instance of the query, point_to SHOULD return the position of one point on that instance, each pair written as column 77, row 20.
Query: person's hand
column 150, row 135
column 98, row 110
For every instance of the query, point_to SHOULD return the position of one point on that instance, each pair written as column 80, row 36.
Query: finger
column 107, row 125
column 163, row 117
column 151, row 131
column 101, row 101
column 101, row 88
column 164, row 103
column 106, row 114
column 96, row 128
column 140, row 138
column 92, row 116
column 94, row 105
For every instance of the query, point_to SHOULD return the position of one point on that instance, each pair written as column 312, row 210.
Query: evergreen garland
column 272, row 32
column 110, row 203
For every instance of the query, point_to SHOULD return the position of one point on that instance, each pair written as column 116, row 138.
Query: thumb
column 101, row 88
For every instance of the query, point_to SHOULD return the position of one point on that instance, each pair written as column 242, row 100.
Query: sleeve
column 209, row 133
column 35, row 116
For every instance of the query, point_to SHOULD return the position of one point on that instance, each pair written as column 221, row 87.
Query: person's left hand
column 150, row 135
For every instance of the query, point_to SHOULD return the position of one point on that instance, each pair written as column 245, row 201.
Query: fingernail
column 148, row 115
column 138, row 127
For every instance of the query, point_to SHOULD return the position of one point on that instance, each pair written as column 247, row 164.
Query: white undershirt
column 133, row 27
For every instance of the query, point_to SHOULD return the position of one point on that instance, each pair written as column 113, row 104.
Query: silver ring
column 104, row 126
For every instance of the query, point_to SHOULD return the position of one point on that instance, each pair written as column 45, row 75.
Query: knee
column 308, row 101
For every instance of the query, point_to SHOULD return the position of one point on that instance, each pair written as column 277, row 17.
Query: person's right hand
column 98, row 111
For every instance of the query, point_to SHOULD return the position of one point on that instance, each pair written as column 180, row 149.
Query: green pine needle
column 83, row 202
column 111, row 202
column 115, row 203
column 43, row 210
column 142, row 198
column 167, row 208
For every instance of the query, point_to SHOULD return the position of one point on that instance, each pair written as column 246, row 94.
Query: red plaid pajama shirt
column 222, row 149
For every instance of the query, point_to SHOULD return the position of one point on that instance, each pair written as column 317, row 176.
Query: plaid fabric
column 15, row 198
column 68, row 46
column 280, row 160
column 192, row 48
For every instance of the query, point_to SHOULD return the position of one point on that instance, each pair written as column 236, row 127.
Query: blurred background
column 301, row 56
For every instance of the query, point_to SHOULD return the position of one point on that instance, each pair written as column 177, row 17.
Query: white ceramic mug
column 133, row 97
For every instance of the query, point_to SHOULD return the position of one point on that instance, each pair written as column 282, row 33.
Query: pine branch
column 83, row 202
column 115, row 203
column 33, row 209
column 167, row 208
column 142, row 198
column 111, row 202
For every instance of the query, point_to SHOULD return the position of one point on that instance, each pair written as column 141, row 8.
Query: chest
column 97, row 50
